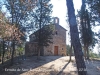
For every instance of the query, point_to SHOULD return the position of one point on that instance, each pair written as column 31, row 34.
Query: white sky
column 60, row 10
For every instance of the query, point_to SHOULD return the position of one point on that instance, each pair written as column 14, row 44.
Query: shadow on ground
column 47, row 65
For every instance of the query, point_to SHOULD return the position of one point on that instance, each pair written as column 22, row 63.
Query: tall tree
column 42, row 19
column 18, row 10
column 75, row 39
column 85, row 29
column 2, row 33
column 6, row 32
column 94, row 7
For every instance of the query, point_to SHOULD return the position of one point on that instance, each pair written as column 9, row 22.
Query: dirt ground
column 50, row 65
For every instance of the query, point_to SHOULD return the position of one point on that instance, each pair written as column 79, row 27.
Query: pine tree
column 85, row 29
column 75, row 39
column 94, row 7
column 42, row 21
column 18, row 10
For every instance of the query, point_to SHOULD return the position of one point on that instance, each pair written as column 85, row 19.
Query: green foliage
column 94, row 55
column 94, row 7
column 20, row 49
column 85, row 28
column 46, row 32
column 19, row 10
column 68, row 50
column 42, row 20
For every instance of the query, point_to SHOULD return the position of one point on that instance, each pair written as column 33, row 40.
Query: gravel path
column 50, row 65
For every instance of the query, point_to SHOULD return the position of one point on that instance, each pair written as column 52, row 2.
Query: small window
column 62, row 48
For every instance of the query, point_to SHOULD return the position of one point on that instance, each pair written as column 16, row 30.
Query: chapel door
column 55, row 50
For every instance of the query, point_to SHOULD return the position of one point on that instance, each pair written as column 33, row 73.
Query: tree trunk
column 85, row 54
column 13, row 50
column 70, row 53
column 3, row 51
column 39, row 42
column 75, row 39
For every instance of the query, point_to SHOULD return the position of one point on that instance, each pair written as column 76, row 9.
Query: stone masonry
column 58, row 47
column 59, row 40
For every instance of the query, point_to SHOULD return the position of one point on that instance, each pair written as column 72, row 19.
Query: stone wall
column 59, row 39
column 48, row 50
column 30, row 49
